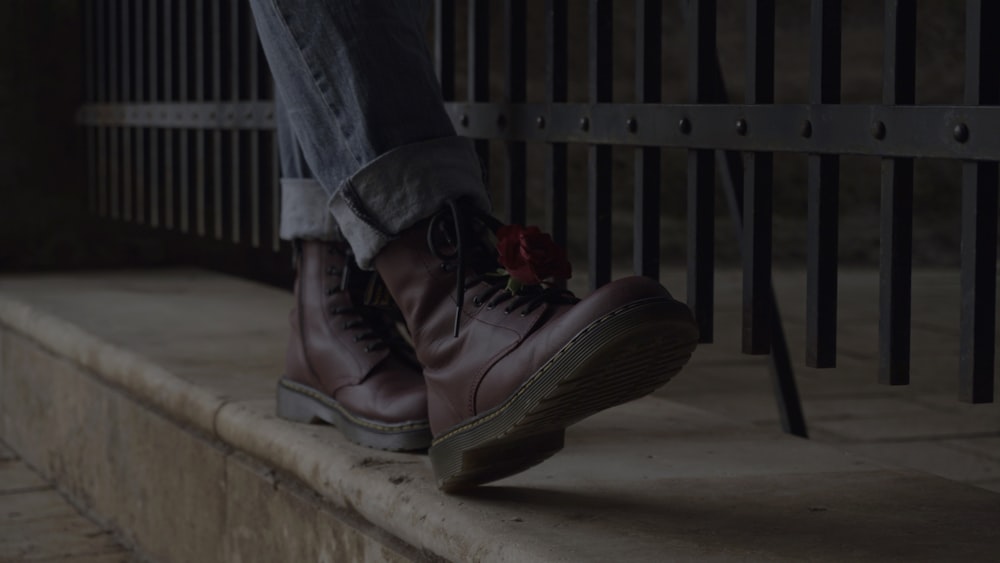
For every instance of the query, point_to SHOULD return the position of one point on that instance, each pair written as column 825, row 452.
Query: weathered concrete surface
column 149, row 395
column 921, row 426
column 37, row 523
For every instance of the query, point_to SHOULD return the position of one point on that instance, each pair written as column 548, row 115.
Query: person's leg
column 304, row 214
column 361, row 94
column 509, row 362
column 342, row 364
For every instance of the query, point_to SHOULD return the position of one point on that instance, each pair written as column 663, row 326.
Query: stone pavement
column 38, row 524
column 149, row 395
column 922, row 426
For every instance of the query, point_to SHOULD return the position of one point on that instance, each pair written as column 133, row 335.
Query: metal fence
column 179, row 128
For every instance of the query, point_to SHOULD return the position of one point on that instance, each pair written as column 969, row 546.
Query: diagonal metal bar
column 731, row 172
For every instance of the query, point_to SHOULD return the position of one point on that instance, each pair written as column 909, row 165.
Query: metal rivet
column 807, row 129
column 269, row 115
column 249, row 115
column 878, row 130
column 194, row 115
column 684, row 125
column 585, row 123
column 229, row 115
column 632, row 125
column 741, row 126
column 464, row 120
column 961, row 132
column 501, row 121
column 211, row 115
column 540, row 121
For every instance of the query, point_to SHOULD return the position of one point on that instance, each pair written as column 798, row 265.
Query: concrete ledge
column 148, row 397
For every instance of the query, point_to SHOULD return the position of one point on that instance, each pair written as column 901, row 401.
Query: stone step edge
column 343, row 477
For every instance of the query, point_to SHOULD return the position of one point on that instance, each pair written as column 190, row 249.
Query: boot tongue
column 449, row 240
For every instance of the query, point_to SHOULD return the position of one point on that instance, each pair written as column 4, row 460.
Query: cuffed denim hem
column 403, row 186
column 304, row 211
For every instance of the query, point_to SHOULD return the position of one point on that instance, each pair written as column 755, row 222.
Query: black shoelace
column 483, row 261
column 374, row 338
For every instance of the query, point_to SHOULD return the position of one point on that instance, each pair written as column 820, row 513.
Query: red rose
column 530, row 256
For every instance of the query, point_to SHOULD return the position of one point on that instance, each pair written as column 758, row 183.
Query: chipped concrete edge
column 144, row 379
column 339, row 475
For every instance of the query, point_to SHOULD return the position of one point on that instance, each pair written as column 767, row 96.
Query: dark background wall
column 40, row 166
column 44, row 223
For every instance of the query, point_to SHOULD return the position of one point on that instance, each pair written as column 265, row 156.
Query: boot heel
column 295, row 407
column 459, row 466
column 299, row 403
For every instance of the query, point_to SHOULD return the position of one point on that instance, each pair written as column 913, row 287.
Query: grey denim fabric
column 304, row 202
column 358, row 86
column 304, row 212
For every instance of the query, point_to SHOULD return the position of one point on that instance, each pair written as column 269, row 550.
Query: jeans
column 361, row 112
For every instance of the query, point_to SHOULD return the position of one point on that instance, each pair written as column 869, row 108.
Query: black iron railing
column 179, row 126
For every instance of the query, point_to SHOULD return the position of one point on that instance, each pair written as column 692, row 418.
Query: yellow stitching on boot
column 359, row 421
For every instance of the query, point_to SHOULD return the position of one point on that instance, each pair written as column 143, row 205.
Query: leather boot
column 519, row 368
column 339, row 367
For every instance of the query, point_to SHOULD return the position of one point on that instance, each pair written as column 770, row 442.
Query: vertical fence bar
column 479, row 65
column 274, row 170
column 169, row 181
column 234, row 134
column 154, row 133
column 700, row 22
column 127, row 48
column 101, row 67
column 183, row 168
column 758, row 180
column 200, row 55
column 895, row 252
column 979, row 212
column 556, row 88
column 515, row 21
column 444, row 46
column 275, row 182
column 253, row 79
column 114, row 89
column 138, row 58
column 648, row 62
column 217, row 224
column 600, row 56
column 90, row 90
column 824, row 180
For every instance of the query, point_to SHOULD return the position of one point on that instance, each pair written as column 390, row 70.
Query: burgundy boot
column 340, row 368
column 523, row 366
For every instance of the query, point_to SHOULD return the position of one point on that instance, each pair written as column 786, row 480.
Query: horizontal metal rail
column 954, row 132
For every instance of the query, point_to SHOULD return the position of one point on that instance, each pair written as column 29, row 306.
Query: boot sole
column 620, row 357
column 301, row 403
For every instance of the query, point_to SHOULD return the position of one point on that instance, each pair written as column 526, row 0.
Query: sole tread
column 632, row 352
